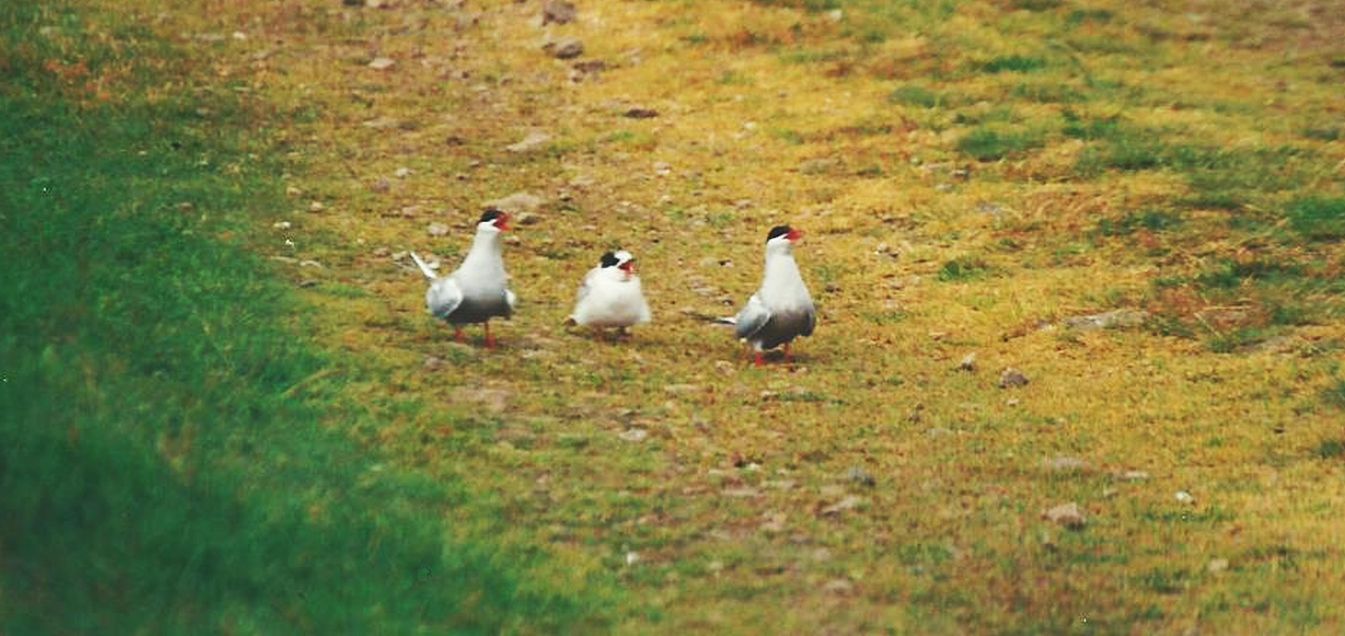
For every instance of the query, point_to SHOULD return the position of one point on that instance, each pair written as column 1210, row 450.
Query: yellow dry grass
column 726, row 518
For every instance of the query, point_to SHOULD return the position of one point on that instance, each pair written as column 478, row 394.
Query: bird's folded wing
column 752, row 318
column 443, row 297
column 811, row 322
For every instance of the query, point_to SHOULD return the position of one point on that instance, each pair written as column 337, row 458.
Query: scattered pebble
column 516, row 203
column 403, row 172
column 1185, row 497
column 437, row 229
column 1012, row 377
column 565, row 48
column 1134, row 475
column 634, row 435
column 1068, row 515
column 316, row 206
column 838, row 586
column 848, row 503
column 558, row 11
column 968, row 363
column 821, row 165
column 1217, row 565
column 1067, row 464
column 1118, row 319
column 382, row 63
column 282, row 225
column 860, row 476
column 632, row 558
column 532, row 141
column 641, row 113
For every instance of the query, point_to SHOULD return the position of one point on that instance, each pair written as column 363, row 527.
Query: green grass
column 1013, row 64
column 168, row 451
column 986, row 144
column 1318, row 218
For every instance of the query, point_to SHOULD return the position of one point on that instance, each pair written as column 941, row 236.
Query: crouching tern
column 479, row 289
column 610, row 295
column 782, row 309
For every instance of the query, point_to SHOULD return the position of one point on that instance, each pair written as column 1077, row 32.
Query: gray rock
column 437, row 229
column 534, row 140
column 1066, row 465
column 860, row 476
column 1117, row 319
column 838, row 586
column 565, row 48
column 850, row 502
column 818, row 166
column 382, row 63
column 635, row 435
column 558, row 11
column 1012, row 377
column 516, row 203
column 1068, row 515
column 1134, row 475
column 968, row 363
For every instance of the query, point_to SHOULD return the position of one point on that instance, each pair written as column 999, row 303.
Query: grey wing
column 443, row 297
column 751, row 319
column 811, row 321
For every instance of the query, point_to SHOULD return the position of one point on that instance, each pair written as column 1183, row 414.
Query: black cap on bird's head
column 496, row 217
column 783, row 230
column 620, row 259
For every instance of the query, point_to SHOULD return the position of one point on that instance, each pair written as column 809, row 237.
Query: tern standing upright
column 782, row 309
column 479, row 289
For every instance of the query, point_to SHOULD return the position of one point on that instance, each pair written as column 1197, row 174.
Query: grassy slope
column 166, row 455
column 1141, row 162
column 971, row 174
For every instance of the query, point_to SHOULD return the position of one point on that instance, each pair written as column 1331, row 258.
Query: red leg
column 490, row 340
column 760, row 360
column 789, row 355
column 458, row 335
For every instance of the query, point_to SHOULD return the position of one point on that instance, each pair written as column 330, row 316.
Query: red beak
column 794, row 235
column 502, row 222
column 628, row 267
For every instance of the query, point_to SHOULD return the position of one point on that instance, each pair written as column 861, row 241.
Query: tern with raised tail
column 782, row 309
column 610, row 296
column 479, row 289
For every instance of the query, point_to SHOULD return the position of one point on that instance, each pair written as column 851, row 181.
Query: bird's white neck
column 782, row 282
column 486, row 255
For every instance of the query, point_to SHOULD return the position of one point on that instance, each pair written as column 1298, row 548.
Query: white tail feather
column 424, row 267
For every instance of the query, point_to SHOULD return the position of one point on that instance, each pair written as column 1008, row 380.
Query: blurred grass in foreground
column 162, row 456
